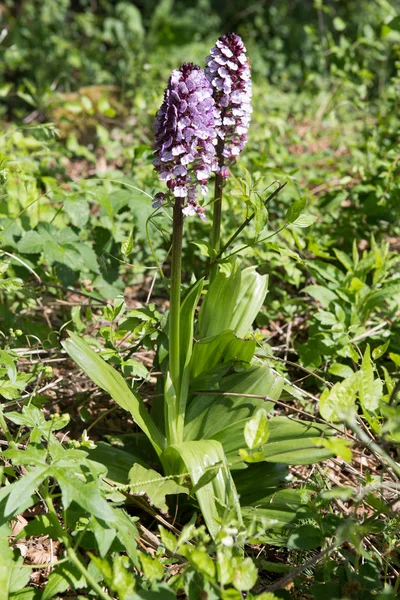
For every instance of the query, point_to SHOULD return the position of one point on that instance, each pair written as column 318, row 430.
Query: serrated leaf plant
column 54, row 471
column 217, row 395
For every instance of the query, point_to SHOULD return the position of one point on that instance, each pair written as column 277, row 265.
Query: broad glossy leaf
column 187, row 322
column 275, row 516
column 103, row 375
column 233, row 300
column 119, row 459
column 252, row 292
column 188, row 308
column 259, row 480
column 256, row 430
column 225, row 347
column 153, row 485
column 216, row 311
column 223, row 417
column 293, row 442
column 217, row 495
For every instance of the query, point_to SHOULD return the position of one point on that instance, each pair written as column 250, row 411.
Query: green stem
column 246, row 222
column 217, row 217
column 72, row 555
column 257, row 242
column 173, row 419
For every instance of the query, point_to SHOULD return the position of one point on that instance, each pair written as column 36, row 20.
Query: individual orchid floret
column 228, row 71
column 186, row 137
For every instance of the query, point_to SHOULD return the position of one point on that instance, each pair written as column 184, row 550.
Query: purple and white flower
column 228, row 71
column 186, row 136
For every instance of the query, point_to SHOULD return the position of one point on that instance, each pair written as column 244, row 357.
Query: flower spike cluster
column 228, row 71
column 186, row 137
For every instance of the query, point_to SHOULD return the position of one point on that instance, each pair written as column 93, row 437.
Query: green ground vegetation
column 87, row 508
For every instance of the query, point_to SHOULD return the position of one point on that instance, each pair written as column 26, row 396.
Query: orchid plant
column 214, row 437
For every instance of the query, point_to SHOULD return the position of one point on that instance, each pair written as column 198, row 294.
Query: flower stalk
column 228, row 71
column 184, row 159
column 173, row 419
column 218, row 191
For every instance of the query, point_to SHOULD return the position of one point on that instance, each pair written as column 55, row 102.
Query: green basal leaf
column 153, row 485
column 223, row 417
column 103, row 375
column 188, row 308
column 275, row 516
column 293, row 442
column 225, row 347
column 216, row 311
column 187, row 322
column 256, row 430
column 252, row 292
column 217, row 498
column 118, row 461
column 269, row 477
column 233, row 300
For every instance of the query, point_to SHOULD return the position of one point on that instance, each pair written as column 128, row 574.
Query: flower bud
column 228, row 71
column 186, row 136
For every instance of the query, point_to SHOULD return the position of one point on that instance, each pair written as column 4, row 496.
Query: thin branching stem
column 247, row 221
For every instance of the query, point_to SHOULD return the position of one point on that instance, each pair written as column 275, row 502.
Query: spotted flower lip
column 228, row 71
column 186, row 136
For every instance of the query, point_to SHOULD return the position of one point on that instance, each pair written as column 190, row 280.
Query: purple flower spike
column 186, row 136
column 228, row 71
